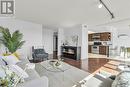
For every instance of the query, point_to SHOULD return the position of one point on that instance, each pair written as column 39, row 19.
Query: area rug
column 59, row 79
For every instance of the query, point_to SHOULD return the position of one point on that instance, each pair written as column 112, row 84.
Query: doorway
column 55, row 45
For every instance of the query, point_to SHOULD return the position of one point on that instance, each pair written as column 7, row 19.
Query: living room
column 31, row 56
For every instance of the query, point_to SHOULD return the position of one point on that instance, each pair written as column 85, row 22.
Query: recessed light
column 100, row 5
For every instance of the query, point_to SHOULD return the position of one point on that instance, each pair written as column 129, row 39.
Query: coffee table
column 56, row 69
column 50, row 67
column 64, row 76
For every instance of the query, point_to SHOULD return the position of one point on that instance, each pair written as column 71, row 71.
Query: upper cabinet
column 90, row 37
column 104, row 36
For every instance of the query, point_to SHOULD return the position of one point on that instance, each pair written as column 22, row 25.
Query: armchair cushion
column 39, row 51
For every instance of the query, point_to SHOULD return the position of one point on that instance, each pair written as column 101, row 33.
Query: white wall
column 32, row 33
column 60, row 39
column 48, row 40
column 72, row 31
column 123, row 41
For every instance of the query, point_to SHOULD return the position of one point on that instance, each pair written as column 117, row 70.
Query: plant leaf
column 12, row 42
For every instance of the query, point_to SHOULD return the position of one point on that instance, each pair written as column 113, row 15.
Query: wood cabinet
column 104, row 50
column 106, row 36
column 90, row 37
column 89, row 49
column 71, row 52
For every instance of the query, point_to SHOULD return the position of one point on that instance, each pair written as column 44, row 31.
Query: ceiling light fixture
column 103, row 4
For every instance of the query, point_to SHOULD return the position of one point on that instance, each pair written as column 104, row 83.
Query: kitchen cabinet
column 89, row 49
column 106, row 36
column 104, row 50
column 103, row 36
column 90, row 37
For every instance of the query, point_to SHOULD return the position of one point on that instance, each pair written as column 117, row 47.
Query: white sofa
column 34, row 79
column 98, row 81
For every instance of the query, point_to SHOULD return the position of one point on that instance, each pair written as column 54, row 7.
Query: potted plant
column 12, row 42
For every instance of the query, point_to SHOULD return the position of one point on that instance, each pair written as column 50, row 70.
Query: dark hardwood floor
column 94, row 65
column 89, row 65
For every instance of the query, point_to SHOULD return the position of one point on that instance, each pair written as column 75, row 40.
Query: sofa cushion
column 39, row 51
column 31, row 72
column 41, row 55
column 2, row 72
column 34, row 80
column 122, row 80
column 106, row 82
column 2, row 62
column 20, row 72
column 23, row 62
column 11, row 59
column 98, row 81
column 39, row 82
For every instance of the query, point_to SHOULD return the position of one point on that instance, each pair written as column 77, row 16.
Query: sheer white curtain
column 123, row 45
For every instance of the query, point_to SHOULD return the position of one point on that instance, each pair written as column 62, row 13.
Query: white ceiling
column 70, row 12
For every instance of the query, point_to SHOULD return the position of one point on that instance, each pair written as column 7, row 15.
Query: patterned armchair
column 39, row 54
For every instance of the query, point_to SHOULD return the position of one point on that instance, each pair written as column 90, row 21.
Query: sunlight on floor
column 110, row 67
column 91, row 55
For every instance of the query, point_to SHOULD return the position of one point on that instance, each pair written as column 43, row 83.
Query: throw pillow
column 2, row 72
column 8, row 78
column 122, row 80
column 11, row 59
column 17, row 55
column 2, row 62
column 19, row 71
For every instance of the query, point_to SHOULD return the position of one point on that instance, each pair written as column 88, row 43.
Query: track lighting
column 103, row 4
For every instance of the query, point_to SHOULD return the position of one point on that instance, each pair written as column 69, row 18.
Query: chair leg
column 33, row 60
